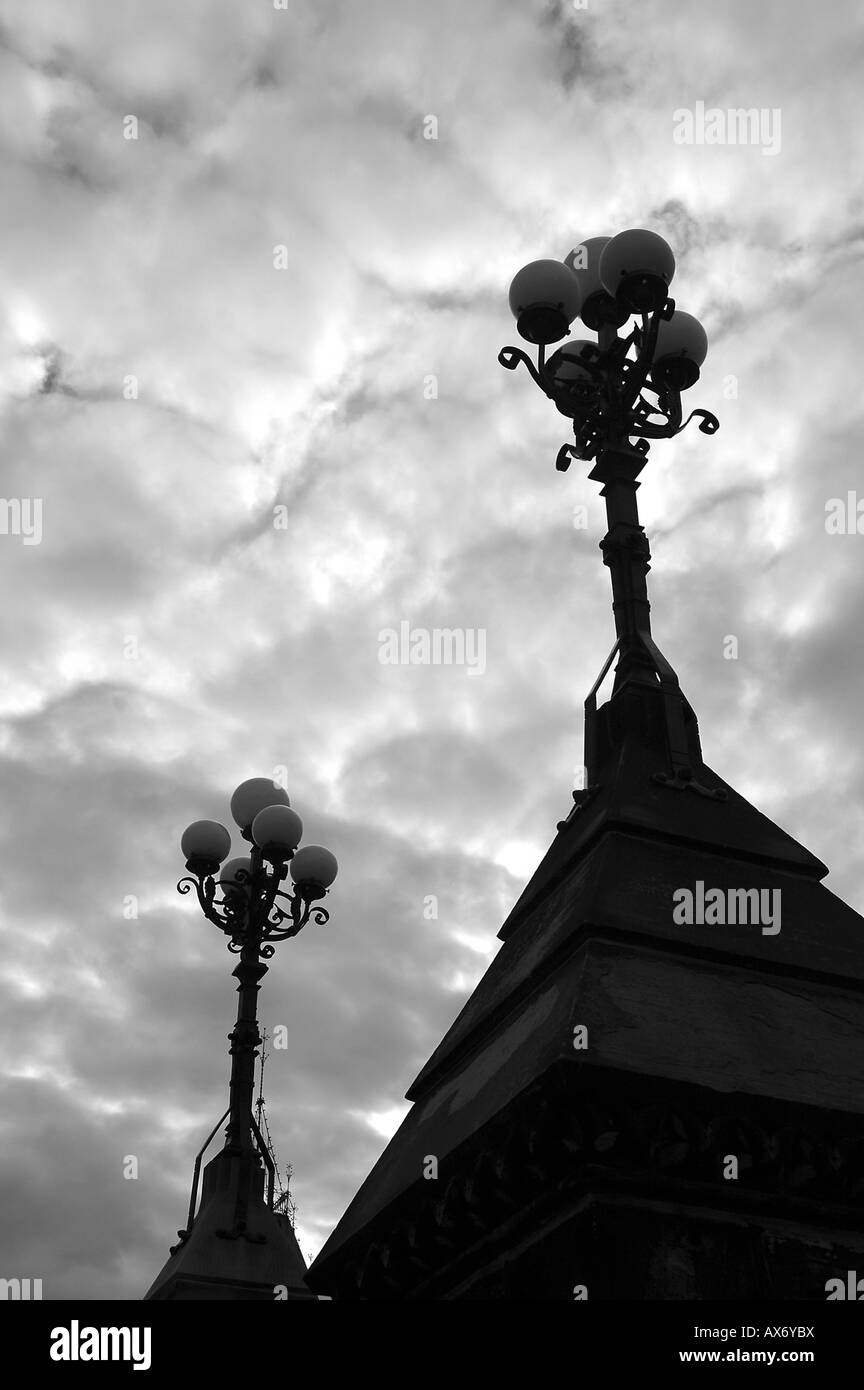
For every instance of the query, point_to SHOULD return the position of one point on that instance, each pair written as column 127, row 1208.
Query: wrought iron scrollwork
column 710, row 424
column 610, row 404
column 510, row 357
column 247, row 910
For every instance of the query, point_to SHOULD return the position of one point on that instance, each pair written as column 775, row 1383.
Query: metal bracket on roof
column 681, row 777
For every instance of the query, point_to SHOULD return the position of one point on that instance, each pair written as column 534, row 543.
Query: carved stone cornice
column 578, row 1131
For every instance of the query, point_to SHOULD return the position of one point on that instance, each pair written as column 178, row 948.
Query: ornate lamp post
column 250, row 905
column 621, row 389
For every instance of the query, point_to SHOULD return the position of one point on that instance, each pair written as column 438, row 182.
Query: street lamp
column 613, row 388
column 621, row 389
column 251, row 906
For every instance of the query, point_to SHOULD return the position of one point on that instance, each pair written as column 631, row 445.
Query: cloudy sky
column 282, row 303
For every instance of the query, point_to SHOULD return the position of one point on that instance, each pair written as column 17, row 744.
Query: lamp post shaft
column 245, row 1040
column 626, row 551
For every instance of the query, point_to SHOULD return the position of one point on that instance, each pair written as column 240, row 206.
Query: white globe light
column 682, row 334
column 569, row 371
column 252, row 796
column 682, row 346
column 277, row 829
column 206, row 839
column 597, row 306
column 235, row 867
column 314, row 866
column 637, row 267
column 577, row 387
column 544, row 300
column 584, row 261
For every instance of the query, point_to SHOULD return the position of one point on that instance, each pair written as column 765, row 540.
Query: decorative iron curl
column 709, row 423
column 665, row 428
column 252, row 918
column 204, row 891
column 300, row 913
column 510, row 357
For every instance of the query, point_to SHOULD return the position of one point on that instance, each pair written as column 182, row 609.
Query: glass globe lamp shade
column 637, row 267
column 682, row 346
column 277, row 831
column 544, row 300
column 231, row 871
column 597, row 305
column 207, row 841
column 253, row 796
column 576, row 387
column 314, row 867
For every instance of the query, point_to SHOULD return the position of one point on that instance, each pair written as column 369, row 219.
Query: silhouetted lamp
column 257, row 914
column 251, row 906
column 605, row 385
column 621, row 390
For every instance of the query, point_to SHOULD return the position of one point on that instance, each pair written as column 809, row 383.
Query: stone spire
column 654, row 1091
